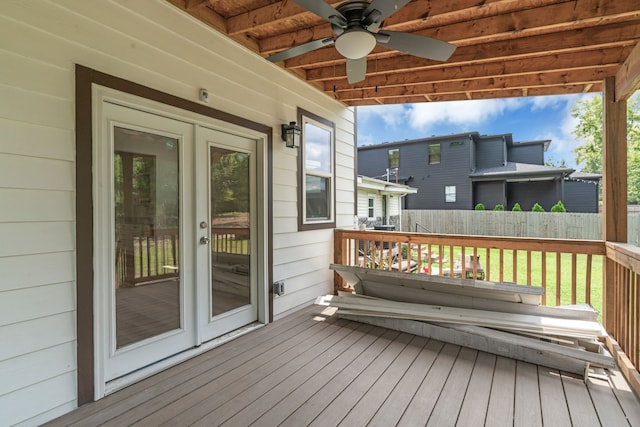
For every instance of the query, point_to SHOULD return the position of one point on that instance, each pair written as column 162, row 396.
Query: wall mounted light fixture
column 291, row 134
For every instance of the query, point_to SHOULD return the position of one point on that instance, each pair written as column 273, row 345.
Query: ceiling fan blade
column 378, row 10
column 322, row 9
column 300, row 49
column 416, row 45
column 356, row 69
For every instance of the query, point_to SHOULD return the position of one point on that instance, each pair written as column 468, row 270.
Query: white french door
column 176, row 237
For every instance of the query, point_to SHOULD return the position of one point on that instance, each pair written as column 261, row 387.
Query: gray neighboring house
column 461, row 170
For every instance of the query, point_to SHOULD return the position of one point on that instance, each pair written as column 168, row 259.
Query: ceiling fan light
column 355, row 44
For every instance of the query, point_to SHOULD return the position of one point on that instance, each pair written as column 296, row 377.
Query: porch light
column 291, row 134
column 356, row 43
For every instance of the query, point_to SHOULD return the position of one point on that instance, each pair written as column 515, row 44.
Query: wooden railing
column 622, row 298
column 147, row 257
column 571, row 271
column 231, row 240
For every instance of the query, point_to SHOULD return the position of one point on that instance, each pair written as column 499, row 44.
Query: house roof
column 367, row 183
column 506, row 48
column 586, row 176
column 513, row 172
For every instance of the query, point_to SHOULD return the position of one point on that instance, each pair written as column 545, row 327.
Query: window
column 316, row 182
column 372, row 211
column 434, row 154
column 394, row 158
column 450, row 193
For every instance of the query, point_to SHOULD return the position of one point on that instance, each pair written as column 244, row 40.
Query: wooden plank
column 552, row 399
column 278, row 407
column 344, row 401
column 188, row 394
column 501, row 400
column 500, row 347
column 527, row 410
column 579, row 402
column 451, row 398
column 605, row 402
column 476, row 400
column 507, row 321
column 210, row 408
column 310, row 409
column 162, row 384
column 361, row 413
column 392, row 409
column 626, row 397
column 424, row 296
column 424, row 401
column 486, row 289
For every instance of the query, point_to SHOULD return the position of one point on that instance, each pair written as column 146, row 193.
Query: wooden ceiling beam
column 517, row 45
column 419, row 15
column 556, row 17
column 529, row 81
column 628, row 77
column 546, row 62
column 382, row 70
column 490, row 94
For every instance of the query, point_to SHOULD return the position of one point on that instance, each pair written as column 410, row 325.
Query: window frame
column 448, row 193
column 430, row 154
column 396, row 157
column 371, row 207
column 304, row 118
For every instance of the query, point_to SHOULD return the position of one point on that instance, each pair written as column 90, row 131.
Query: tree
column 537, row 208
column 558, row 207
column 516, row 208
column 479, row 207
column 498, row 207
column 588, row 112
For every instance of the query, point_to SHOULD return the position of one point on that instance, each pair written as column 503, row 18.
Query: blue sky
column 527, row 119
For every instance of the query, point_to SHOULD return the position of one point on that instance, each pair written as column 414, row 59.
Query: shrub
column 558, row 207
column 479, row 207
column 516, row 208
column 537, row 208
column 499, row 207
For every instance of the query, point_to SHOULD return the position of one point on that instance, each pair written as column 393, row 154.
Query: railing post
column 338, row 258
column 614, row 188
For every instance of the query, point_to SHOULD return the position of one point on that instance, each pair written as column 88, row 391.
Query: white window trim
column 304, row 223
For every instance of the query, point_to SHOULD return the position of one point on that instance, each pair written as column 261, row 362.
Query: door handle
column 204, row 240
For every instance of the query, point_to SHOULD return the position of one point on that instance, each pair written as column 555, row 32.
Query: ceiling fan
column 355, row 23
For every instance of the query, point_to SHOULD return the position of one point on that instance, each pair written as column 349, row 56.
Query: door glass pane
column 230, row 232
column 146, row 200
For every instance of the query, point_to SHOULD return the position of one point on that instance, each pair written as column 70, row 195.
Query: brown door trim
column 85, row 78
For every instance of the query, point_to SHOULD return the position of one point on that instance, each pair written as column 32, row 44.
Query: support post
column 614, row 186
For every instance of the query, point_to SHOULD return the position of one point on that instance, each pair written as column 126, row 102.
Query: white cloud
column 424, row 116
column 393, row 116
column 547, row 102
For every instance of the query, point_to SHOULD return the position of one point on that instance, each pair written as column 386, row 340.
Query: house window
column 394, row 158
column 450, row 193
column 434, row 154
column 316, row 173
column 371, row 211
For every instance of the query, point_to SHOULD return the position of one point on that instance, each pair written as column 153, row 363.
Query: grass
column 553, row 297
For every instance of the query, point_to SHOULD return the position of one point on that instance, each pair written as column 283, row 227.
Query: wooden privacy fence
column 544, row 225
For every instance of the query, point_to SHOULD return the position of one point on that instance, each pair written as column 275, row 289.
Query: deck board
column 312, row 369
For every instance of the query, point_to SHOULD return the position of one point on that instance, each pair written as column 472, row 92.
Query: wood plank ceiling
column 505, row 48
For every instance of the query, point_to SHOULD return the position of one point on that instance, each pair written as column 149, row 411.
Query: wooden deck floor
column 314, row 369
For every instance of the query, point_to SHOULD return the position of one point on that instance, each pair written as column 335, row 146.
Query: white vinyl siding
column 152, row 44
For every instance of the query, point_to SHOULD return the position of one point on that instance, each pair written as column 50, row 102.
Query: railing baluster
column 558, row 279
column 528, row 268
column 543, row 278
column 515, row 265
column 501, row 265
column 587, row 286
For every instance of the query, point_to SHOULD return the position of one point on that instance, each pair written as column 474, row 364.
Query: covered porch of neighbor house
column 313, row 368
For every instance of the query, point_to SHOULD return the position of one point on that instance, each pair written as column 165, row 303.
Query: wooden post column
column 614, row 186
